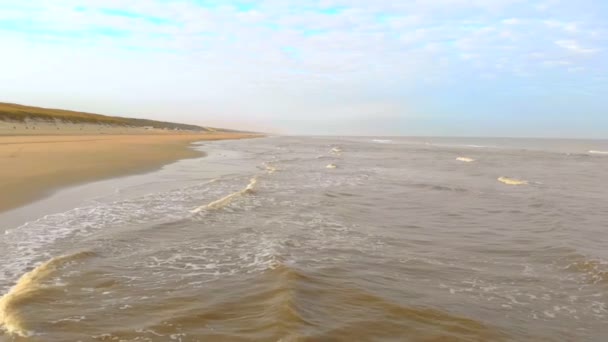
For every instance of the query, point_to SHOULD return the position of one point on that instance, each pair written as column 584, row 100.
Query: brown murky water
column 325, row 239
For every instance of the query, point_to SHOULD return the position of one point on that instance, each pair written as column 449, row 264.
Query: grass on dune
column 20, row 113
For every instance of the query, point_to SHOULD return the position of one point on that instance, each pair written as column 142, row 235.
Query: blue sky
column 433, row 67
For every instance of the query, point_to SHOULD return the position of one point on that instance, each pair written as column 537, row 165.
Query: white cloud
column 208, row 56
column 574, row 46
column 554, row 63
column 511, row 21
column 569, row 27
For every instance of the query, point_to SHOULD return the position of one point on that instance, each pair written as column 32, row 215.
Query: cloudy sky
column 381, row 67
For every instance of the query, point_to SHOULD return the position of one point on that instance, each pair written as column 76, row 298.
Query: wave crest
column 270, row 169
column 224, row 201
column 29, row 287
column 595, row 271
column 512, row 181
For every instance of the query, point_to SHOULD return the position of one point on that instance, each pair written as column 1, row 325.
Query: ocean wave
column 595, row 271
column 478, row 146
column 331, row 166
column 286, row 303
column 33, row 241
column 255, row 250
column 29, row 286
column 447, row 145
column 336, row 150
column 438, row 187
column 598, row 152
column 224, row 201
column 270, row 169
column 382, row 141
column 512, row 181
column 465, row 159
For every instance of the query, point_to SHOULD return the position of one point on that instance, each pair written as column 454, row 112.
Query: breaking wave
column 224, row 201
column 270, row 169
column 512, row 181
column 29, row 287
column 285, row 303
column 336, row 150
column 478, row 146
column 595, row 271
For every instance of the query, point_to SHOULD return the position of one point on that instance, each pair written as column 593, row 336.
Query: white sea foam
column 512, row 181
column 382, row 141
column 70, row 319
column 224, row 201
column 598, row 152
column 270, row 169
column 31, row 242
column 465, row 159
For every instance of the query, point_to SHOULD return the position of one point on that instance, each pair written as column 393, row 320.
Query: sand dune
column 40, row 127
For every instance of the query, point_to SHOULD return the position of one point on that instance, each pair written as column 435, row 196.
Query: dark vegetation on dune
column 20, row 113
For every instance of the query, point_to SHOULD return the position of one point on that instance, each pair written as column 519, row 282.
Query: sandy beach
column 33, row 166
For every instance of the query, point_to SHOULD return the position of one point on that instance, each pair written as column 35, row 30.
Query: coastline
column 34, row 166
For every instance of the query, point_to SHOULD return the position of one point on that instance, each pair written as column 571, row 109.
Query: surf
column 30, row 286
column 270, row 169
column 224, row 201
column 512, row 181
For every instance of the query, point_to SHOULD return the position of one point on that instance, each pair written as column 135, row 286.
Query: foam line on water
column 224, row 201
column 512, row 181
column 270, row 169
column 36, row 240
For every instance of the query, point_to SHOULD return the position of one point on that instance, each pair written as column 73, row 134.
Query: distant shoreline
column 37, row 164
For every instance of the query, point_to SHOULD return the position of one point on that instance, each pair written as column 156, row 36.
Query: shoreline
column 35, row 166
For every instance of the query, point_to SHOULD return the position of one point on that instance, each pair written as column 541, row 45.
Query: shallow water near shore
column 403, row 239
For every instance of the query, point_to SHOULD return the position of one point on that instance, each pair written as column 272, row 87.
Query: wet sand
column 32, row 167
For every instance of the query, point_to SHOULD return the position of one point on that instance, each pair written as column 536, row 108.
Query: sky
column 342, row 67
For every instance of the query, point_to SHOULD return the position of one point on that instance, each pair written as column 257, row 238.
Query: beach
column 258, row 240
column 36, row 163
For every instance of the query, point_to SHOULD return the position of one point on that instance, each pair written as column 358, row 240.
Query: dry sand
column 32, row 166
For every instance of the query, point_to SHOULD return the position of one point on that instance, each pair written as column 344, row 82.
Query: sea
column 321, row 239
